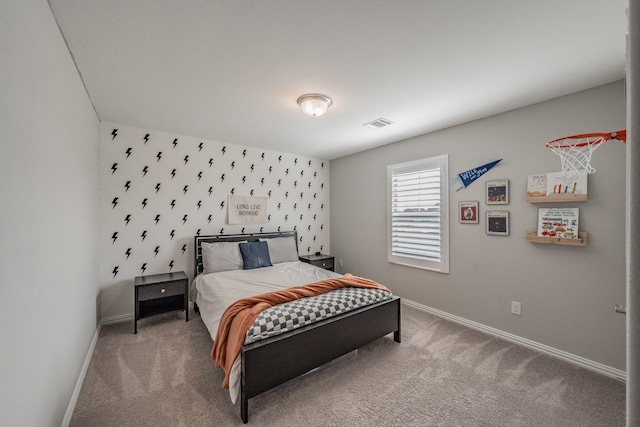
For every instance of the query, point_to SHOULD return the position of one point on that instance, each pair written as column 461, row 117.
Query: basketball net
column 575, row 151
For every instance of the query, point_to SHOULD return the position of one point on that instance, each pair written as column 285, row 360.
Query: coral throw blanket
column 239, row 316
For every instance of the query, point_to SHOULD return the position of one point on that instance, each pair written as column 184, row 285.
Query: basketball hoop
column 575, row 151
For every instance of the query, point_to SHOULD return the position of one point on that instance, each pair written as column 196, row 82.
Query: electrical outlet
column 516, row 308
column 341, row 263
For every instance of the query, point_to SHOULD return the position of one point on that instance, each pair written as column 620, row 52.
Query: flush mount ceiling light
column 314, row 104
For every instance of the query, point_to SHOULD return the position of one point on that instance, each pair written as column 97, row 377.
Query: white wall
column 184, row 183
column 48, row 218
column 567, row 293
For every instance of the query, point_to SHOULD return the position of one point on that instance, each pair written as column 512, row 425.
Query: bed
column 274, row 360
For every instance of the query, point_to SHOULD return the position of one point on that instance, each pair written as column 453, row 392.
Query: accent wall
column 159, row 190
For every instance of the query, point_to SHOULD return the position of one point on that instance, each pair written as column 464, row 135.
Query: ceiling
column 231, row 71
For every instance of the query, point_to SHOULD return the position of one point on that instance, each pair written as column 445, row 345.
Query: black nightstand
column 322, row 261
column 160, row 293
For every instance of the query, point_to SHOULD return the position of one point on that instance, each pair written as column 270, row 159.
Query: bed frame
column 276, row 360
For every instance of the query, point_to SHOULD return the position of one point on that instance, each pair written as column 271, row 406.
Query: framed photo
column 498, row 192
column 468, row 212
column 498, row 223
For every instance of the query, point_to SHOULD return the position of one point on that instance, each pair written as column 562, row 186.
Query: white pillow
column 221, row 256
column 282, row 249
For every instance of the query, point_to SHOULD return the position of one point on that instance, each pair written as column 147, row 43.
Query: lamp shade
column 314, row 104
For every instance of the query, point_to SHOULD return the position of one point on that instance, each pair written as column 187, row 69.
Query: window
column 418, row 217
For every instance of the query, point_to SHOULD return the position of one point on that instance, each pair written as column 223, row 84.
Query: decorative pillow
column 221, row 256
column 282, row 249
column 255, row 255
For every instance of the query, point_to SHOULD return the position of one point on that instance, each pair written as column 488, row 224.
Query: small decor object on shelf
column 498, row 192
column 558, row 222
column 498, row 223
column 468, row 212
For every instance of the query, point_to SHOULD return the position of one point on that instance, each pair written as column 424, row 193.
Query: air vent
column 378, row 123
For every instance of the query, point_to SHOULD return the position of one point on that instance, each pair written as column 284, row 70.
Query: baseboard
column 569, row 357
column 83, row 372
column 116, row 319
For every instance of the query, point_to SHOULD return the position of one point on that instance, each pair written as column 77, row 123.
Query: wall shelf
column 554, row 198
column 532, row 236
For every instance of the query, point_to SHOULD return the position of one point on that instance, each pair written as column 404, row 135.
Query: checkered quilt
column 295, row 314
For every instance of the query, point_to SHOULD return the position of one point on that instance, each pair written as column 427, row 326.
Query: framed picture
column 468, row 212
column 498, row 192
column 498, row 223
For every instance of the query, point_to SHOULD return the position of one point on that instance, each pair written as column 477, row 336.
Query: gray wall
column 49, row 218
column 633, row 217
column 567, row 293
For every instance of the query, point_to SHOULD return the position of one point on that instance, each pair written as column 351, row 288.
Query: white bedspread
column 216, row 291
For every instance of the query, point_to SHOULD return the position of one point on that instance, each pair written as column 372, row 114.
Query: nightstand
column 160, row 293
column 322, row 261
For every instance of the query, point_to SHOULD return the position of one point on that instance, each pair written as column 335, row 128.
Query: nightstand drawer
column 161, row 290
column 327, row 264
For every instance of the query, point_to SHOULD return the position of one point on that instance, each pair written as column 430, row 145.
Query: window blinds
column 415, row 213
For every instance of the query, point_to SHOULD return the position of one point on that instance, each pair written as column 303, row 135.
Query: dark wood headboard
column 251, row 237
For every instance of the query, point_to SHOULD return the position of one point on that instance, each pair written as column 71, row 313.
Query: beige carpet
column 442, row 374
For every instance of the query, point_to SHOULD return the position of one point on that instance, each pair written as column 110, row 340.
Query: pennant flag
column 471, row 175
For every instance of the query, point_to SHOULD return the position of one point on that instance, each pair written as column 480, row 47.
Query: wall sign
column 247, row 210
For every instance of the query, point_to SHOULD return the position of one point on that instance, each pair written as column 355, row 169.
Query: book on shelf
column 558, row 222
column 537, row 185
column 550, row 184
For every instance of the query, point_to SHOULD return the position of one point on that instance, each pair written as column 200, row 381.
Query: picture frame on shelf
column 498, row 223
column 468, row 212
column 498, row 192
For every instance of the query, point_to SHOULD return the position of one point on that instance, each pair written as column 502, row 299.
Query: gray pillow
column 221, row 256
column 282, row 249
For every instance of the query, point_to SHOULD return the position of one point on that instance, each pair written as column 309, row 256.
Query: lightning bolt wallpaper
column 159, row 190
